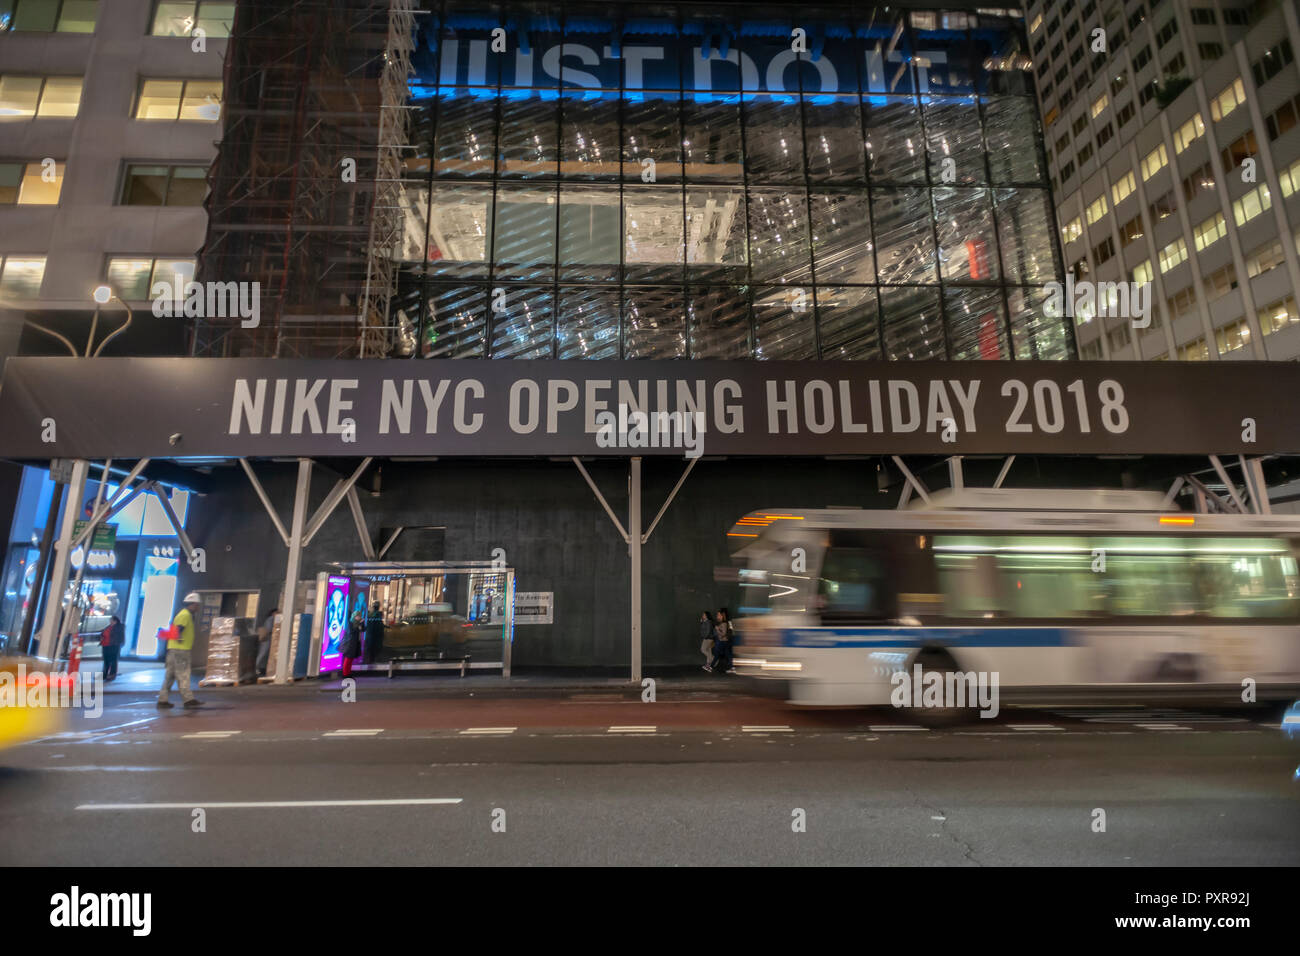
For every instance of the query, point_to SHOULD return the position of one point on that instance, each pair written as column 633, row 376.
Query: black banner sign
column 181, row 407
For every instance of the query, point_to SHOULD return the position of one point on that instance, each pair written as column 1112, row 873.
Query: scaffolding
column 305, row 190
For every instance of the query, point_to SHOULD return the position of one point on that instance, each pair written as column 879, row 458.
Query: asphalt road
column 699, row 777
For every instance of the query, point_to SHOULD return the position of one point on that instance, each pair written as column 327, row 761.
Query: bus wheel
column 935, row 660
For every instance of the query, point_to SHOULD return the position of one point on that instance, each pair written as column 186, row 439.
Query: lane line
column 352, row 733
column 767, row 729
column 489, row 731
column 633, row 730
column 877, row 728
column 271, row 804
column 1033, row 727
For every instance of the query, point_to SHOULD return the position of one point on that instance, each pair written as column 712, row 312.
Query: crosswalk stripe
column 632, row 730
column 353, row 733
column 489, row 731
column 877, row 728
column 763, row 729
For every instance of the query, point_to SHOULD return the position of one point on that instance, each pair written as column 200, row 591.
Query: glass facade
column 672, row 183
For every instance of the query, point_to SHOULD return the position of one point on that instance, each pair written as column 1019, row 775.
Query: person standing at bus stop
column 374, row 634
column 352, row 643
column 111, row 640
column 178, row 654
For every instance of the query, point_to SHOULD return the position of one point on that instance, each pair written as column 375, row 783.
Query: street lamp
column 102, row 295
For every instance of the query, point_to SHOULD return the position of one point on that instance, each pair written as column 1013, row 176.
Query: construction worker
column 178, row 654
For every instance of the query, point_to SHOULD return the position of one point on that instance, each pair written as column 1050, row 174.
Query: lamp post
column 103, row 294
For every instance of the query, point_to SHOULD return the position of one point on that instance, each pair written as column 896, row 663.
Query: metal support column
column 288, row 609
column 34, row 596
column 62, row 557
column 634, row 548
column 1253, row 471
column 72, row 620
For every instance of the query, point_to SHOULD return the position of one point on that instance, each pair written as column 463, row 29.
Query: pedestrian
column 374, row 634
column 706, row 639
column 723, row 635
column 264, row 632
column 352, row 643
column 179, row 650
column 111, row 640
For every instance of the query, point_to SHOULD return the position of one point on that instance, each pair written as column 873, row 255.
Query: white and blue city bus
column 1086, row 594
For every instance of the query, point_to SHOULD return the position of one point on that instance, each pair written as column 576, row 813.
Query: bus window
column 854, row 586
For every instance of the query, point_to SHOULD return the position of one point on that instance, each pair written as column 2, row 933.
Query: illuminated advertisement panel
column 335, row 624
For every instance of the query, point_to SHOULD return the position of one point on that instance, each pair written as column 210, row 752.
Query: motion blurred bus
column 1062, row 595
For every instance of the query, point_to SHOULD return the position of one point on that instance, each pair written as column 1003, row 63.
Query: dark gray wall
column 554, row 532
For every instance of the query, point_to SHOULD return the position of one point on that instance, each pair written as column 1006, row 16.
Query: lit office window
column 1194, row 351
column 1251, row 205
column 164, row 185
column 1278, row 315
column 1189, row 133
column 20, row 276
column 1142, row 271
column 1289, row 179
column 1123, row 187
column 1233, row 336
column 1154, row 161
column 1099, row 104
column 135, row 277
column 1173, row 254
column 1210, row 231
column 1072, row 230
column 48, row 16
column 42, row 96
column 181, row 19
column 179, row 99
column 28, row 184
column 1096, row 209
column 1227, row 101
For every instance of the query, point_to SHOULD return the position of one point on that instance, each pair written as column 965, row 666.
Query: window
column 1175, row 66
column 1163, row 207
column 1194, row 351
column 1098, row 105
column 1130, row 232
column 1236, row 18
column 1104, row 134
column 1210, row 231
column 1067, row 170
column 1142, row 272
column 1289, row 178
column 48, row 16
column 1071, row 30
column 1173, row 254
column 179, row 99
column 1080, row 125
column 1147, row 93
column 1126, row 113
column 1241, row 148
column 1103, row 251
column 40, row 96
column 1154, row 161
column 1037, row 22
column 1189, row 133
column 1076, row 55
column 1119, row 338
column 1271, row 63
column 1251, row 205
column 1278, row 315
column 20, row 276
column 134, row 277
column 1264, row 257
column 1232, row 96
column 180, row 19
column 1137, row 17
column 1117, row 83
column 1142, row 58
column 1199, row 180
column 1072, row 230
column 1063, row 142
column 164, row 185
column 1085, row 153
column 28, row 184
column 1082, row 82
column 1220, row 282
column 1091, row 352
column 1283, row 118
column 1066, row 97
column 1122, row 188
column 1209, row 51
column 1232, row 337
column 1166, row 33
column 1096, row 209
column 1180, row 303
column 854, row 585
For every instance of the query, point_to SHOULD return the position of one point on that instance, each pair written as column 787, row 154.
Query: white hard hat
column 192, row 598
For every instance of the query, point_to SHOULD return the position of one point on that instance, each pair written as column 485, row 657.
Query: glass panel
column 715, row 233
column 528, row 133
column 216, row 18
column 848, row 318
column 654, row 323
column 652, row 224
column 719, row 322
column 453, row 322
column 904, row 240
column 964, row 221
column 588, row 324
column 22, row 277
column 895, row 147
column 130, row 277
column 202, row 101
column 841, row 227
column 712, row 143
column 778, row 235
column 78, row 16
column 174, row 272
column 1035, row 334
column 1025, row 228
column 953, row 133
column 589, row 139
column 773, row 139
column 173, row 20
column 35, row 191
column 652, row 131
column 522, row 323
column 466, row 134
column 188, row 187
column 11, row 176
column 19, row 95
column 145, row 186
column 589, row 233
column 834, row 139
column 460, row 227
column 913, row 323
column 62, row 96
column 525, row 232
column 412, row 208
column 783, row 323
column 976, row 328
column 36, row 15
column 1011, row 131
column 159, row 99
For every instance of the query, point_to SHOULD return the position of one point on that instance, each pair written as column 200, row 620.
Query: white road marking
column 489, row 731
column 210, row 735
column 877, row 728
column 1154, row 726
column 767, row 729
column 1033, row 727
column 633, row 730
column 353, row 733
column 270, row 804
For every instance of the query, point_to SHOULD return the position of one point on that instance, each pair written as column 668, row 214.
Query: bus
column 1060, row 595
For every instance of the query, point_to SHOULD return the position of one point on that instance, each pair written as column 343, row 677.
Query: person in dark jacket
column 352, row 643
column 722, row 656
column 374, row 634
column 706, row 639
column 114, row 636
